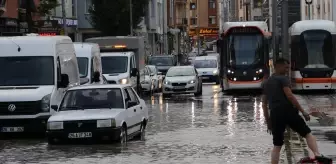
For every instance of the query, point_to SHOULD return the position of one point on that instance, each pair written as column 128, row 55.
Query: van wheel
column 123, row 135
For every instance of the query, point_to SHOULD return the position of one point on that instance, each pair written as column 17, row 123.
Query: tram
column 244, row 52
column 313, row 55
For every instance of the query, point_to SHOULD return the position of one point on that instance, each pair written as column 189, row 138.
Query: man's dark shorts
column 281, row 118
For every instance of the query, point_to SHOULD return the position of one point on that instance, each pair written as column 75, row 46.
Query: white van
column 89, row 61
column 35, row 73
column 208, row 68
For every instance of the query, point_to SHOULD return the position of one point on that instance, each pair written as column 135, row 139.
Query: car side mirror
column 64, row 81
column 159, row 73
column 134, row 72
column 54, row 107
column 131, row 104
column 96, row 77
column 84, row 80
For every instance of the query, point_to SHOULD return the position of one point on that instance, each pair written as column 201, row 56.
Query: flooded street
column 183, row 129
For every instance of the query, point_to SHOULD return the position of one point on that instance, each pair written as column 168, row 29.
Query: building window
column 212, row 19
column 193, row 21
column 258, row 18
column 257, row 3
column 88, row 6
column 240, row 18
column 241, row 4
column 74, row 8
column 193, row 6
column 212, row 4
column 153, row 3
column 2, row 3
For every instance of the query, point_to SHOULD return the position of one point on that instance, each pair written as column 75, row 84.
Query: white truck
column 123, row 59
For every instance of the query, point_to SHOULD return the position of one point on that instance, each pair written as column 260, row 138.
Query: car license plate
column 12, row 129
column 179, row 87
column 80, row 135
column 205, row 77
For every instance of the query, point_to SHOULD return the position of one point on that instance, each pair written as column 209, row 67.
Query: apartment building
column 321, row 9
column 250, row 10
column 12, row 16
column 203, row 21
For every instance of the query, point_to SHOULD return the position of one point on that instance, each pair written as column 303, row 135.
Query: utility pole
column 274, row 29
column 309, row 2
column 284, row 23
column 131, row 17
column 247, row 4
column 64, row 18
column 198, row 29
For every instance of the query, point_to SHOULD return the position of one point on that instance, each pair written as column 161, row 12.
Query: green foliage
column 46, row 6
column 112, row 17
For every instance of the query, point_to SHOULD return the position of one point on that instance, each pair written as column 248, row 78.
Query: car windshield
column 83, row 64
column 114, row 64
column 179, row 71
column 161, row 61
column 205, row 64
column 27, row 70
column 92, row 99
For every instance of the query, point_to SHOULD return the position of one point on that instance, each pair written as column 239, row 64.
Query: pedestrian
column 284, row 111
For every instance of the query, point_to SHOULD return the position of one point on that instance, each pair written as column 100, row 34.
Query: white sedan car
column 148, row 84
column 182, row 80
column 113, row 112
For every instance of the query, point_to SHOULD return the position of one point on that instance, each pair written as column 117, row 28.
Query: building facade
column 71, row 17
column 203, row 22
column 250, row 10
column 12, row 21
column 322, row 9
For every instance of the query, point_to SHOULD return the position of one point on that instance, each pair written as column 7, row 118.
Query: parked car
column 148, row 84
column 156, row 77
column 98, row 111
column 182, row 80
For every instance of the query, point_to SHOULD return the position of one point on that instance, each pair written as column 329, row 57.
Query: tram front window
column 245, row 49
column 316, row 50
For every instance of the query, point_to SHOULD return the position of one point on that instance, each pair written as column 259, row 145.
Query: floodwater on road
column 183, row 129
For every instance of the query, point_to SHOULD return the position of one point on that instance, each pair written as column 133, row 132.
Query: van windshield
column 205, row 64
column 114, row 64
column 28, row 70
column 83, row 64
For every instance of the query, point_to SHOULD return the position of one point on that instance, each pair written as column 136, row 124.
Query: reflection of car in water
column 162, row 62
column 208, row 68
column 114, row 112
column 313, row 55
column 156, row 77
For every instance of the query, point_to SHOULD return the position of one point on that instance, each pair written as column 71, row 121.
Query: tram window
column 316, row 50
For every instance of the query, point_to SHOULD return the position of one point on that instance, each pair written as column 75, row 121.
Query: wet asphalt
column 210, row 129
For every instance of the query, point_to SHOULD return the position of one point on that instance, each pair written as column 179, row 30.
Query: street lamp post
column 309, row 2
column 131, row 17
column 198, row 29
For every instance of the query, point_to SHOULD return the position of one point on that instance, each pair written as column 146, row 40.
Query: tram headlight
column 230, row 71
column 259, row 71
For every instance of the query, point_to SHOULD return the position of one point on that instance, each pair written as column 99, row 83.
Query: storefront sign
column 47, row 27
column 69, row 22
column 204, row 31
column 11, row 22
column 47, row 33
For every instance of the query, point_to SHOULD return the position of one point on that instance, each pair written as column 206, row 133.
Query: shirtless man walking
column 284, row 110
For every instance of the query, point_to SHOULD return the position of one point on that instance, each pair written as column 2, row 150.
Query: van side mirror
column 134, row 72
column 84, row 80
column 96, row 77
column 64, row 81
column 54, row 107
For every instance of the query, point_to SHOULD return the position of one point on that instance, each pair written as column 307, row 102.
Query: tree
column 112, row 17
column 42, row 9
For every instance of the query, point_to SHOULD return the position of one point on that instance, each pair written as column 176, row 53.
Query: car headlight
column 55, row 125
column 45, row 103
column 106, row 123
column 166, row 82
column 191, row 81
column 259, row 71
column 230, row 71
column 123, row 81
column 215, row 71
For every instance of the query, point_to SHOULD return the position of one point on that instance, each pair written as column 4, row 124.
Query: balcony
column 180, row 1
column 181, row 22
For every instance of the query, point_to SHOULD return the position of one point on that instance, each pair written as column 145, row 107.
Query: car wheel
column 123, row 135
column 52, row 141
column 143, row 131
column 217, row 80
